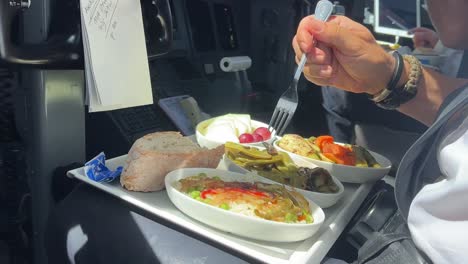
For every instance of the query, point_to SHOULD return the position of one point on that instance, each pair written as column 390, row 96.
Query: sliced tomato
column 339, row 154
column 322, row 139
column 334, row 148
column 350, row 158
column 334, row 158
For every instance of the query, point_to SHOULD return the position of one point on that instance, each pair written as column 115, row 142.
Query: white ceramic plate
column 206, row 142
column 236, row 223
column 324, row 200
column 346, row 173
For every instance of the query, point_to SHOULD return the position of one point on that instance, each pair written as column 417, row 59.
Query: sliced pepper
column 237, row 149
column 274, row 159
column 286, row 159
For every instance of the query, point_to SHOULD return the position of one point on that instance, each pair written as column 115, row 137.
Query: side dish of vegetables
column 267, row 201
column 279, row 167
column 326, row 149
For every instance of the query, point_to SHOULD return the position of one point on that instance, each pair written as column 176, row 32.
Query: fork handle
column 300, row 67
column 323, row 11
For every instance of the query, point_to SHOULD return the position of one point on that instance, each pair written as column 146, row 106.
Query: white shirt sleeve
column 438, row 216
column 451, row 59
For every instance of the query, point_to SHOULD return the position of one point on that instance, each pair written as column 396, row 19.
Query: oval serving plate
column 246, row 226
column 346, row 173
column 324, row 200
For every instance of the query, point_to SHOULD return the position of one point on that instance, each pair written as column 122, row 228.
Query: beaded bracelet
column 410, row 89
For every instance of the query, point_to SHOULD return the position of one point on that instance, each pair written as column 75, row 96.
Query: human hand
column 424, row 37
column 345, row 55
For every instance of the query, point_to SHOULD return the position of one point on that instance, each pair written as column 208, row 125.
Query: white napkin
column 116, row 63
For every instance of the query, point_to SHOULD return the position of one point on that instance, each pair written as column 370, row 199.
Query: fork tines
column 282, row 115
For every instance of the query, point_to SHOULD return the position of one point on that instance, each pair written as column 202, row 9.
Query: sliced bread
column 155, row 155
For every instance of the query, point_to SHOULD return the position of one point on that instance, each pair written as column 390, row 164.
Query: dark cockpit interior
column 47, row 130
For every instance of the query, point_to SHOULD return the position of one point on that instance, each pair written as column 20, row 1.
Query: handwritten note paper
column 116, row 64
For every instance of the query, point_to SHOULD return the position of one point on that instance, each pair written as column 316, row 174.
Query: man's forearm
column 432, row 90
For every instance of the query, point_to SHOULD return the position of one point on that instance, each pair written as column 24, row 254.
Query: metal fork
column 287, row 104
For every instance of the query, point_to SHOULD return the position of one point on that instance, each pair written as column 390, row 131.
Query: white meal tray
column 312, row 250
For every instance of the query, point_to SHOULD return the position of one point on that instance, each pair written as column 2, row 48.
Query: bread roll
column 155, row 155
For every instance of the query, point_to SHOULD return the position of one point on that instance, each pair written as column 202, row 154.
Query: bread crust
column 146, row 169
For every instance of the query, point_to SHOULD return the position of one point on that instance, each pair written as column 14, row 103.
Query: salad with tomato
column 268, row 201
column 325, row 148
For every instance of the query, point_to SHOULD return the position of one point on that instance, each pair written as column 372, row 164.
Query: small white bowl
column 246, row 226
column 346, row 173
column 324, row 200
column 206, row 142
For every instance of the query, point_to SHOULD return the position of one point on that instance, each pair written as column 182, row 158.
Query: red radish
column 257, row 137
column 264, row 132
column 246, row 138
